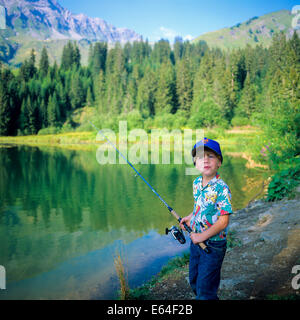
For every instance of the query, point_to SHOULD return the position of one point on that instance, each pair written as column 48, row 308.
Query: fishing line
column 172, row 211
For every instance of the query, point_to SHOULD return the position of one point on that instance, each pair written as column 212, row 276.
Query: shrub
column 284, row 182
column 49, row 130
column 239, row 121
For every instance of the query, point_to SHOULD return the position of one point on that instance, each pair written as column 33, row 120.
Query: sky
column 157, row 19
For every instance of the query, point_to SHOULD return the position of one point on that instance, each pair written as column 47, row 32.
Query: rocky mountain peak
column 48, row 20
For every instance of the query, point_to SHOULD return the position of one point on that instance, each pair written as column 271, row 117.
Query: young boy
column 209, row 220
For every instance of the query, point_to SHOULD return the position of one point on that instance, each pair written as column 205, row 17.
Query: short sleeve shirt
column 211, row 202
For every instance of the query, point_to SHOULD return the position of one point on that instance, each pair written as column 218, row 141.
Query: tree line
column 188, row 84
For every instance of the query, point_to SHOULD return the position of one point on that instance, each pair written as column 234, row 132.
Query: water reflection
column 62, row 216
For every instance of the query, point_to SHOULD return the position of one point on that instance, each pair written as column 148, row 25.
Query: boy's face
column 209, row 164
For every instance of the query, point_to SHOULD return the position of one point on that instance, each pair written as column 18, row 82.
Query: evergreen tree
column 100, row 92
column 28, row 69
column 53, row 111
column 184, row 85
column 24, row 122
column 5, row 107
column 161, row 52
column 44, row 63
column 178, row 48
column 89, row 97
column 165, row 96
column 247, row 102
column 77, row 93
column 146, row 94
column 33, row 116
column 70, row 56
column 97, row 57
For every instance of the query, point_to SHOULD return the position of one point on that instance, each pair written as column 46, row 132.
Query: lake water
column 64, row 218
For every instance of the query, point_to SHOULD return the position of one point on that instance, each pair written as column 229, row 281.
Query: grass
column 144, row 292
column 237, row 139
column 232, row 240
column 283, row 297
column 173, row 266
column 122, row 274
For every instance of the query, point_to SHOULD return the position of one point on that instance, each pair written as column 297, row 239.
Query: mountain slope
column 31, row 21
column 257, row 30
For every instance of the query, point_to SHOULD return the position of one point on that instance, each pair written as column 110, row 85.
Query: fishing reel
column 177, row 234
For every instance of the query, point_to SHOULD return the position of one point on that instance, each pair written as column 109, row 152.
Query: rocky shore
column 266, row 246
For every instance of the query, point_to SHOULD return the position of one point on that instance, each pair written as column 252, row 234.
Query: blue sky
column 156, row 19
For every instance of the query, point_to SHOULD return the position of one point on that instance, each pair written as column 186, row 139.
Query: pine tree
column 165, row 96
column 44, row 63
column 97, row 57
column 247, row 102
column 146, row 94
column 24, row 122
column 76, row 56
column 178, row 48
column 89, row 97
column 32, row 116
column 5, row 107
column 52, row 111
column 28, row 69
column 70, row 56
column 161, row 52
column 100, row 92
column 77, row 93
column 184, row 85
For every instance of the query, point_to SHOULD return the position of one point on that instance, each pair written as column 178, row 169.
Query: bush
column 49, row 130
column 134, row 119
column 164, row 120
column 66, row 128
column 207, row 115
column 239, row 121
column 180, row 119
column 284, row 182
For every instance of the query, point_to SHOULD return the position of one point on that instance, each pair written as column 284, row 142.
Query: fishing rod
column 172, row 211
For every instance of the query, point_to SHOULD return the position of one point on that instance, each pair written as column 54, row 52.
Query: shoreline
column 258, row 261
column 235, row 142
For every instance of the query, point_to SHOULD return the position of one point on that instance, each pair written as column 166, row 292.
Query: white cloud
column 169, row 34
column 188, row 37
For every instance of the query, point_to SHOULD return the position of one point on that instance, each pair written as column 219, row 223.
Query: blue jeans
column 205, row 269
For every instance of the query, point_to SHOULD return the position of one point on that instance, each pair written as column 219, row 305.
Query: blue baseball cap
column 210, row 144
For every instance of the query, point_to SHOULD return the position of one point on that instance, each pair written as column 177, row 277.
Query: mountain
column 257, row 30
column 34, row 23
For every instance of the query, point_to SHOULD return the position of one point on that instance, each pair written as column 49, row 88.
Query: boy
column 209, row 220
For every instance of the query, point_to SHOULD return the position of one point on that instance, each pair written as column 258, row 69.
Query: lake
column 64, row 218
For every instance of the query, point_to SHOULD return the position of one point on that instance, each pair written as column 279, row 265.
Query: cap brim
column 194, row 151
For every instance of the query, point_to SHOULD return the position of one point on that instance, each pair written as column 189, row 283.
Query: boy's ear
column 220, row 162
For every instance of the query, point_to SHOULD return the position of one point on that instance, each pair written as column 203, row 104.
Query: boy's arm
column 216, row 228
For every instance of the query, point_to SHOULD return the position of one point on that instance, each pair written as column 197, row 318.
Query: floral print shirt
column 211, row 202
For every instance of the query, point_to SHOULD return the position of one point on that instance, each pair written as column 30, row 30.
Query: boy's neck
column 206, row 179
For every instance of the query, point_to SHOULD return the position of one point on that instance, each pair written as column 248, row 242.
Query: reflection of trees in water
column 47, row 195
column 243, row 182
column 115, row 197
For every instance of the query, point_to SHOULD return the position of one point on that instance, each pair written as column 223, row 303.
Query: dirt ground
column 259, row 266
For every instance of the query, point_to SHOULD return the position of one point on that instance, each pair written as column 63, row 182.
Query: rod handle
column 202, row 245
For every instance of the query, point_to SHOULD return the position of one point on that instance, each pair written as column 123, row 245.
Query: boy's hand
column 196, row 237
column 187, row 220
